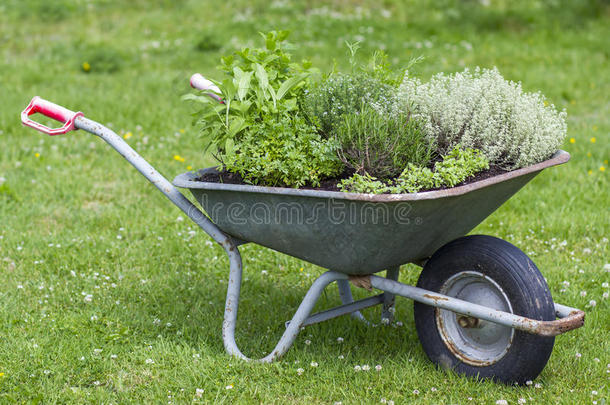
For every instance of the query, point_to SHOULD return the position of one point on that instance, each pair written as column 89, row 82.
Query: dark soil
column 331, row 184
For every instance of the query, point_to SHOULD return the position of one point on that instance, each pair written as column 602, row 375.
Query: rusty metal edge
column 187, row 180
column 575, row 320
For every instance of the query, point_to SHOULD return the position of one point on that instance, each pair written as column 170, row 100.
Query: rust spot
column 362, row 282
column 435, row 298
column 575, row 320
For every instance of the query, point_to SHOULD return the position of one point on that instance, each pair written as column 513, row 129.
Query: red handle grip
column 51, row 110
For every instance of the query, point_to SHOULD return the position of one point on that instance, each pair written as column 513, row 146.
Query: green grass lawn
column 108, row 295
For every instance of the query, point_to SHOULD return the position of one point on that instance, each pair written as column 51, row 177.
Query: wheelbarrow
column 482, row 308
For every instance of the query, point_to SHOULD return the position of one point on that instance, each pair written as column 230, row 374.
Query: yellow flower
column 590, row 171
column 179, row 158
column 181, row 130
column 86, row 66
column 572, row 140
column 588, row 154
column 37, row 154
column 602, row 169
column 1, row 374
column 127, row 135
column 189, row 168
column 593, row 140
column 546, row 103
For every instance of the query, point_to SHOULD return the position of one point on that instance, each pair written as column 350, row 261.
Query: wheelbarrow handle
column 201, row 83
column 51, row 110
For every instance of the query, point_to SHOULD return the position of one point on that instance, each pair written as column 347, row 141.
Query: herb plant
column 381, row 145
column 453, row 169
column 358, row 110
column 285, row 152
column 482, row 110
column 264, row 89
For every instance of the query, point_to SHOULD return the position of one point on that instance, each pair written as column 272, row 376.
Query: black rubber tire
column 525, row 288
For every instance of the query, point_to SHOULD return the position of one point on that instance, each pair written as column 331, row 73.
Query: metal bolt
column 468, row 321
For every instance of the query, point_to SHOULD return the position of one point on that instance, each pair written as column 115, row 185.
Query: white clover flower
column 150, row 361
column 366, row 367
column 501, row 402
column 583, row 293
column 521, row 401
column 378, row 367
column 199, row 392
column 313, row 364
column 340, row 339
column 578, row 355
column 341, row 357
column 300, row 371
column 357, row 368
column 433, row 389
column 307, row 342
column 537, row 385
column 592, row 303
column 529, row 382
column 229, row 387
column 605, row 295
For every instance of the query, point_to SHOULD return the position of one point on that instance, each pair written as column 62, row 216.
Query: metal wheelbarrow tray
column 482, row 308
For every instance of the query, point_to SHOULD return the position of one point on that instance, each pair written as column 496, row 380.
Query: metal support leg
column 389, row 301
column 345, row 292
column 291, row 332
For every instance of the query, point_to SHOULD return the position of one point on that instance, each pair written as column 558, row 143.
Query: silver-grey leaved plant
column 482, row 110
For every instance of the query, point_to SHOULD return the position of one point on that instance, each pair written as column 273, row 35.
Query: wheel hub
column 474, row 341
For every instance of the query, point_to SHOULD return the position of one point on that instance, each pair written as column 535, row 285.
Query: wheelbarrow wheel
column 491, row 272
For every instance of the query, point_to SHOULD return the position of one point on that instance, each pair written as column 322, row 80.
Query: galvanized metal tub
column 355, row 233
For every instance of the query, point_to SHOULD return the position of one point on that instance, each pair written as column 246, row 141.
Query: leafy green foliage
column 371, row 142
column 341, row 94
column 261, row 84
column 363, row 184
column 286, row 152
column 259, row 131
column 453, row 169
column 357, row 109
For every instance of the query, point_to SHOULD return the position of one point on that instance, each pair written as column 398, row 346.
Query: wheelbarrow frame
column 569, row 318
